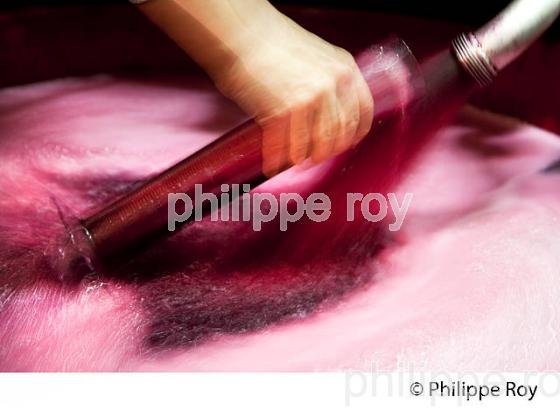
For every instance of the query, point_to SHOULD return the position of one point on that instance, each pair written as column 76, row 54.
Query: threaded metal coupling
column 473, row 59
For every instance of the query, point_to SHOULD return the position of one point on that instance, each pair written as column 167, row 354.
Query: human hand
column 308, row 95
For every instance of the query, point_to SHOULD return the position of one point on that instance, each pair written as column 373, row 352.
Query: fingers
column 348, row 114
column 326, row 127
column 275, row 144
column 287, row 137
column 300, row 133
column 366, row 107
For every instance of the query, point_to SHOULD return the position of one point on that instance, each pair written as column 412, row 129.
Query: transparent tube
column 134, row 221
column 393, row 75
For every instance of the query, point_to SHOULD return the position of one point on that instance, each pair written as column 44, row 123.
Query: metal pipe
column 496, row 44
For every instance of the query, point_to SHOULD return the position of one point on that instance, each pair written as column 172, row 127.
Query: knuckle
column 352, row 121
column 302, row 98
column 318, row 98
column 343, row 145
column 367, row 114
column 362, row 132
column 335, row 129
column 325, row 84
column 342, row 53
column 367, row 100
column 344, row 73
column 281, row 111
column 298, row 155
column 347, row 59
column 323, row 134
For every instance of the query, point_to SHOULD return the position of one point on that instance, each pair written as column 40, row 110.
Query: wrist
column 256, row 24
column 243, row 40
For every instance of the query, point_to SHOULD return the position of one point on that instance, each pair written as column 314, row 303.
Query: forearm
column 213, row 32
